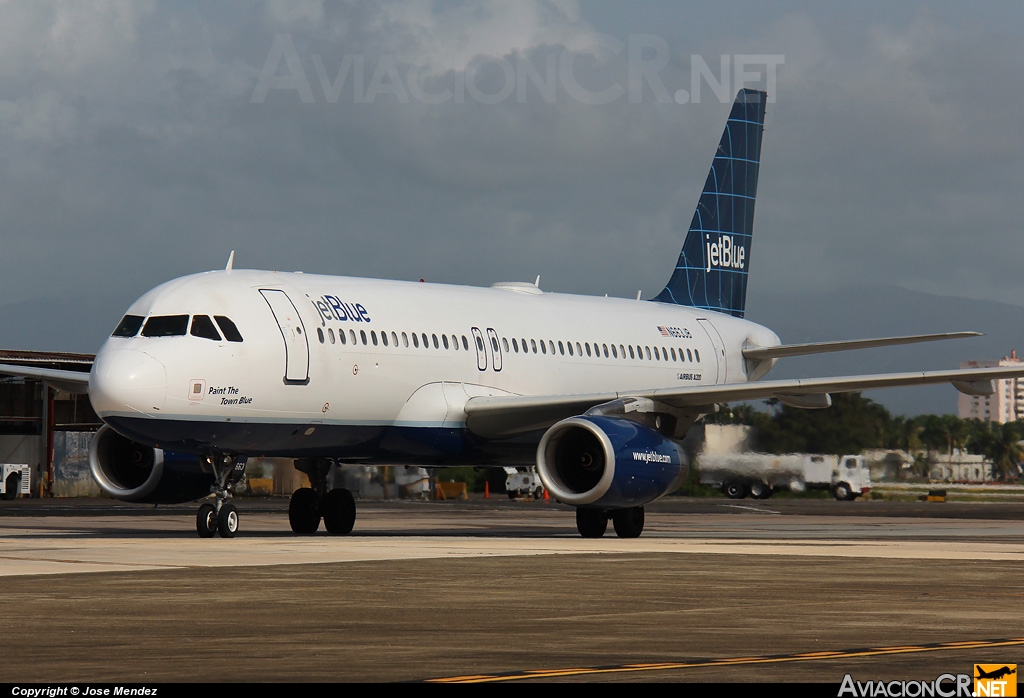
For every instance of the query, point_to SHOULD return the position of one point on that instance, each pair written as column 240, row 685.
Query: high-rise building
column 1006, row 404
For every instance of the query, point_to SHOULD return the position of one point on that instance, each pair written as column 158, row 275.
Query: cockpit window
column 202, row 326
column 166, row 326
column 128, row 327
column 231, row 332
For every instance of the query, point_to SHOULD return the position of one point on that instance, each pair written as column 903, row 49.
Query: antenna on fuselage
column 231, row 261
column 536, row 282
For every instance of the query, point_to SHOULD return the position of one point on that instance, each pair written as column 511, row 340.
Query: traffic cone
column 487, row 490
column 547, row 497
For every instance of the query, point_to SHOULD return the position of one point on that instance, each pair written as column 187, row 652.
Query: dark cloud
column 131, row 150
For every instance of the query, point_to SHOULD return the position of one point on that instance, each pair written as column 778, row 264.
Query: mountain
column 884, row 310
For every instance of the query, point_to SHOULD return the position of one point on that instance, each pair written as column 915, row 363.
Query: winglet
column 231, row 261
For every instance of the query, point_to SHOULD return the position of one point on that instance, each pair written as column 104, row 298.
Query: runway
column 506, row 591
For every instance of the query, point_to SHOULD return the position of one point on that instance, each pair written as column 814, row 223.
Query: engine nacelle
column 133, row 472
column 607, row 461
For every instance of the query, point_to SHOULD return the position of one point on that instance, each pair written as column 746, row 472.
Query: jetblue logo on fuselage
column 332, row 308
column 724, row 254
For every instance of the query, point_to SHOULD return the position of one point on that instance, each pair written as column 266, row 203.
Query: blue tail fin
column 713, row 264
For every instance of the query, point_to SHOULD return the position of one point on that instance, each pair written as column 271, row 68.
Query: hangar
column 48, row 429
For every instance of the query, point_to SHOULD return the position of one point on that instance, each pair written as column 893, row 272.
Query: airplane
column 206, row 371
column 995, row 674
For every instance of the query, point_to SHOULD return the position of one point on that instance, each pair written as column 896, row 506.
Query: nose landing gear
column 221, row 516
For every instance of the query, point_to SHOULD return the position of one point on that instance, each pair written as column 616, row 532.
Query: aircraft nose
column 127, row 382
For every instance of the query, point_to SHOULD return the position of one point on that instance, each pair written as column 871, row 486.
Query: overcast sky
column 140, row 141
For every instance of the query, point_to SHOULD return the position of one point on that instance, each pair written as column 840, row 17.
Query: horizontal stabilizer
column 758, row 353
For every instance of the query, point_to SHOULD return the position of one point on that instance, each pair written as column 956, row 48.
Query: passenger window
column 657, row 356
column 166, row 326
column 405, row 340
column 231, row 332
column 444, row 340
column 373, row 337
column 479, row 344
column 631, row 352
column 689, row 355
column 437, row 345
column 533, row 343
column 561, row 348
column 543, row 347
column 696, row 353
column 515, row 345
column 455, row 342
column 504, row 344
column 352, row 336
column 384, row 338
column 579, row 349
column 415, row 340
column 128, row 327
column 330, row 335
column 362, row 336
column 587, row 346
column 320, row 335
column 615, row 354
column 202, row 326
column 426, row 344
column 394, row 339
column 465, row 343
column 551, row 343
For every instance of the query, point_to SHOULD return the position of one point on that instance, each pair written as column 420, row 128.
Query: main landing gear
column 592, row 523
column 221, row 516
column 336, row 507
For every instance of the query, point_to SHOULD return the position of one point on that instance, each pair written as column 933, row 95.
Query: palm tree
column 1005, row 451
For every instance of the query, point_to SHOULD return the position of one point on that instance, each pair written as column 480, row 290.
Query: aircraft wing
column 68, row 381
column 503, row 416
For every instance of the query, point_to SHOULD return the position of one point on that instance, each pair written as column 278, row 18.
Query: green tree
column 1001, row 445
column 852, row 424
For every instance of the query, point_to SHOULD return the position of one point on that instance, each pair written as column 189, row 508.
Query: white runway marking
column 76, row 545
column 757, row 509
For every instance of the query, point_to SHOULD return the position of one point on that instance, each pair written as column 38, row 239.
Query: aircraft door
column 721, row 364
column 296, row 346
column 495, row 349
column 481, row 351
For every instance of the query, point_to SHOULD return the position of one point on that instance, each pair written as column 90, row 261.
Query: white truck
column 523, row 482
column 15, row 479
column 759, row 474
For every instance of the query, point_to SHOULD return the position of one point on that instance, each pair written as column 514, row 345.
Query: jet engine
column 608, row 462
column 133, row 472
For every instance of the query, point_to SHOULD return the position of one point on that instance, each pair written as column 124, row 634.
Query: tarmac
column 507, row 592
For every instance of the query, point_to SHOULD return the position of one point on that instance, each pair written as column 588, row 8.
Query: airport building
column 49, row 430
column 1006, row 404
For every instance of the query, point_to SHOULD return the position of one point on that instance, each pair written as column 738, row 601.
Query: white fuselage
column 327, row 365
